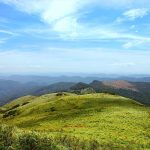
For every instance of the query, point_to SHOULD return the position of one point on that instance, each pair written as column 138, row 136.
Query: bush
column 6, row 136
column 32, row 141
column 25, row 103
column 15, row 106
column 2, row 110
column 2, row 147
column 94, row 145
column 53, row 109
column 11, row 113
column 87, row 91
column 61, row 94
column 10, row 139
column 28, row 142
column 77, row 144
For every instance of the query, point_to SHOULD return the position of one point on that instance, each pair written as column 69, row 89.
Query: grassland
column 109, row 121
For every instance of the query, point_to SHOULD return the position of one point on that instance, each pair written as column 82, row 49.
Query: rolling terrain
column 104, row 121
column 139, row 91
column 10, row 90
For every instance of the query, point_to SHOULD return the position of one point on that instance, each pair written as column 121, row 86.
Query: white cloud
column 67, row 25
column 5, row 35
column 50, row 11
column 133, row 14
column 132, row 27
column 66, row 60
column 128, row 45
column 7, row 32
column 62, row 17
column 133, row 43
column 136, row 13
column 124, row 64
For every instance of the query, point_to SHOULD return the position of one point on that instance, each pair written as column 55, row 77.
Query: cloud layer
column 34, row 25
column 66, row 60
column 63, row 18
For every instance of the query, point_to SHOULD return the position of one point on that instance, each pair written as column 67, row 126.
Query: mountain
column 47, row 80
column 134, row 90
column 120, row 84
column 10, row 90
column 57, row 87
column 79, row 86
column 70, row 121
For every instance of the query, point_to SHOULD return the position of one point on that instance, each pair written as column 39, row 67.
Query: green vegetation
column 67, row 121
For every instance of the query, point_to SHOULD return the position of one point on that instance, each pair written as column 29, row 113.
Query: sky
column 77, row 36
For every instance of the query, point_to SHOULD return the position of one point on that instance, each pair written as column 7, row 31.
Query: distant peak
column 120, row 84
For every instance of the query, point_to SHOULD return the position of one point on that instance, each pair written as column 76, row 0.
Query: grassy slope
column 109, row 119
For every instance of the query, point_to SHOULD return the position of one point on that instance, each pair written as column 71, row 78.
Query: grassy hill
column 138, row 91
column 109, row 121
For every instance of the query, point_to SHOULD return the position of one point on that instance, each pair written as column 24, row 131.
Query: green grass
column 113, row 121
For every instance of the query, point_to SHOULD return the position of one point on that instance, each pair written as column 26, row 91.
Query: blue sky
column 88, row 36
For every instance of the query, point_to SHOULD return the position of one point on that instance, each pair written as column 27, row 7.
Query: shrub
column 53, row 109
column 28, row 142
column 32, row 141
column 2, row 110
column 15, row 106
column 87, row 91
column 11, row 113
column 77, row 144
column 48, row 144
column 61, row 94
column 25, row 103
column 11, row 148
column 94, row 145
column 6, row 136
column 2, row 147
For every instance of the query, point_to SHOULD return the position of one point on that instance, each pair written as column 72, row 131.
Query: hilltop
column 112, row 121
column 138, row 91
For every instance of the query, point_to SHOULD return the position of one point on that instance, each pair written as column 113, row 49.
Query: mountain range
column 22, row 86
column 138, row 91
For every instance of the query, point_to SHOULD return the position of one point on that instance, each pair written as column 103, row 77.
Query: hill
column 120, row 84
column 86, row 78
column 138, row 91
column 10, row 90
column 109, row 121
column 56, row 87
